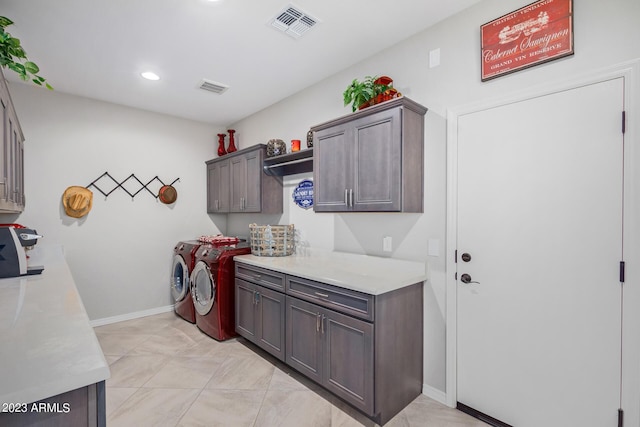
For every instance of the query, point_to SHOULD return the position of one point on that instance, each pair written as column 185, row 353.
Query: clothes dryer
column 212, row 288
column 184, row 259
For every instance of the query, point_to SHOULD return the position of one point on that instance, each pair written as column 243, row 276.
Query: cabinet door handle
column 318, row 322
column 322, row 323
column 351, row 197
column 346, row 197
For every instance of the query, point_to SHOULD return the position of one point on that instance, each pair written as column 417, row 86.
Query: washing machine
column 212, row 288
column 184, row 260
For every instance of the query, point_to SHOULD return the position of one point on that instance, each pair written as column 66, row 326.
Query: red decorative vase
column 232, row 146
column 221, row 150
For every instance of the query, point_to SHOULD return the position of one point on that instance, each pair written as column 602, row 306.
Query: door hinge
column 620, row 417
column 624, row 121
column 621, row 271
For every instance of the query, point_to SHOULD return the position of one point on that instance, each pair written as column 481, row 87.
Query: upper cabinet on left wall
column 11, row 154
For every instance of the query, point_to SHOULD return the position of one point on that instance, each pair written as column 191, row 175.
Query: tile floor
column 165, row 372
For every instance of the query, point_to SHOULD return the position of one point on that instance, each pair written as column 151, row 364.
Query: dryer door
column 203, row 288
column 179, row 278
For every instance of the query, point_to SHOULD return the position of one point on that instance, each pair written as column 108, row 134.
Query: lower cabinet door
column 348, row 359
column 246, row 319
column 304, row 347
column 271, row 318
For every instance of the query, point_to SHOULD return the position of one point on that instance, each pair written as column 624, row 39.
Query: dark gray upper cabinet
column 236, row 183
column 11, row 154
column 371, row 160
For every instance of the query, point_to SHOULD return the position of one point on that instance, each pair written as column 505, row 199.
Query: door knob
column 465, row 278
column 466, row 257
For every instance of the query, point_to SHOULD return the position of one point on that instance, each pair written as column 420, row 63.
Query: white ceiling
column 98, row 48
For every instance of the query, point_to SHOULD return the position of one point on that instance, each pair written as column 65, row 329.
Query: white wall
column 120, row 253
column 604, row 35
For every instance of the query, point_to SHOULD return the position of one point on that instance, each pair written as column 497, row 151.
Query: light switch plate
column 387, row 244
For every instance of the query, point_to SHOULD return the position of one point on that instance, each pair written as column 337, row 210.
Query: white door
column 540, row 214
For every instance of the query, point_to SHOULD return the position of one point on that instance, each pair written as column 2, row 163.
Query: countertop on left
column 47, row 345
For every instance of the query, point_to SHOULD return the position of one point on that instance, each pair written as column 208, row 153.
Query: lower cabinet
column 260, row 317
column 366, row 349
column 332, row 349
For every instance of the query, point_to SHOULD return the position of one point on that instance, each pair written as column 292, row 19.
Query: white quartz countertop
column 368, row 274
column 47, row 345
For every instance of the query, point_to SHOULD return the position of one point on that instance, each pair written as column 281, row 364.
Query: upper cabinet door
column 253, row 179
column 333, row 171
column 377, row 162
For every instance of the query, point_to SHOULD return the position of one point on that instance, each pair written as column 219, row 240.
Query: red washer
column 212, row 288
column 184, row 259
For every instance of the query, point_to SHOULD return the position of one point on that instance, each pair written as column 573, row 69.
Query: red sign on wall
column 537, row 33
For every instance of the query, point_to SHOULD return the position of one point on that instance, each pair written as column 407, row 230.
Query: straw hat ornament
column 77, row 201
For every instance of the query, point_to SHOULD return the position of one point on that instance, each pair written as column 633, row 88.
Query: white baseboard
column 130, row 316
column 435, row 394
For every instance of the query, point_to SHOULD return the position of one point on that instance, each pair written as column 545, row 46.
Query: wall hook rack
column 120, row 185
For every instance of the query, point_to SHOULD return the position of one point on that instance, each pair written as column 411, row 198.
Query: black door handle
column 466, row 278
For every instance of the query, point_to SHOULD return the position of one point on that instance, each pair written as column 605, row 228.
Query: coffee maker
column 15, row 240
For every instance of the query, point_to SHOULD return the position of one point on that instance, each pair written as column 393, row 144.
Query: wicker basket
column 272, row 240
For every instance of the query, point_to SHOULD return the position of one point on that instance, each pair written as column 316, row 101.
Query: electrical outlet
column 387, row 244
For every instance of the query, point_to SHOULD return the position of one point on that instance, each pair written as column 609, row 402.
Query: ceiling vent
column 293, row 22
column 212, row 86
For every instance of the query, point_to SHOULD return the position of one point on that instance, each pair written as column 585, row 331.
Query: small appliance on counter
column 15, row 240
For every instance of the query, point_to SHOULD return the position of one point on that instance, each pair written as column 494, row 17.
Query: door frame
column 630, row 71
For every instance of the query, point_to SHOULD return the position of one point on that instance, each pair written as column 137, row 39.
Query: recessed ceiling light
column 150, row 76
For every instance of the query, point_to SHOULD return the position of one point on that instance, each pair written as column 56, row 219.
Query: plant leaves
column 31, row 67
column 5, row 22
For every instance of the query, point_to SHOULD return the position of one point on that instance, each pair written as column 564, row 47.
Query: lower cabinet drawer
column 261, row 276
column 343, row 300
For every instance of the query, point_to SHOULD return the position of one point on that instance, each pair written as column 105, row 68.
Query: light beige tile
column 118, row 344
column 153, row 407
column 186, row 372
column 142, row 325
column 288, row 379
column 134, row 371
column 163, row 344
column 207, row 347
column 294, row 408
column 224, row 408
column 426, row 412
column 242, row 373
column 117, row 396
column 111, row 359
column 343, row 415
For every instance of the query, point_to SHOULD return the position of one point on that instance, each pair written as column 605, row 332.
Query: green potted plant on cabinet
column 370, row 91
column 13, row 56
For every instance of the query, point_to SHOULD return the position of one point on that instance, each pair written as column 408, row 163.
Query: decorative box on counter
column 272, row 240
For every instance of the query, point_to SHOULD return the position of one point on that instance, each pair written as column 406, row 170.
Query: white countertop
column 47, row 345
column 368, row 274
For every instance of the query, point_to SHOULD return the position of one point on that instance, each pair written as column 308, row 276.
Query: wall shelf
column 289, row 164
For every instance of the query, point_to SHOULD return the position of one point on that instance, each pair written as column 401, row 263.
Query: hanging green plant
column 13, row 56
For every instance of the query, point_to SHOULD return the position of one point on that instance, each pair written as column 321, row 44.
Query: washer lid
column 203, row 288
column 179, row 278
